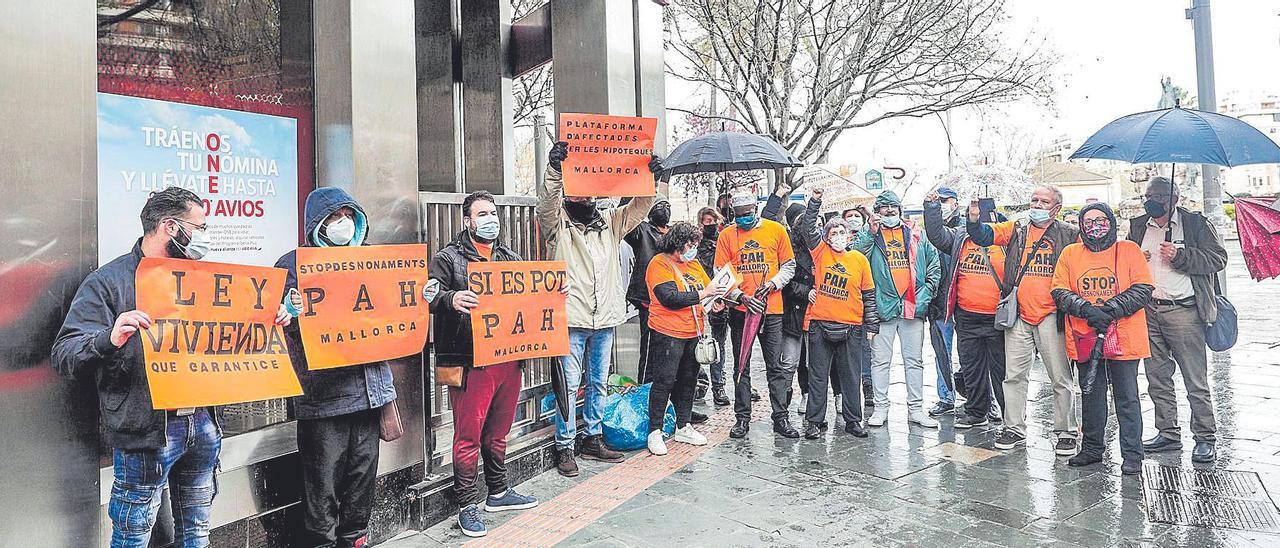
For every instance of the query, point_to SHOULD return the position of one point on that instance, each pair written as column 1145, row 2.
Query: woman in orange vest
column 1102, row 285
column 842, row 312
column 677, row 288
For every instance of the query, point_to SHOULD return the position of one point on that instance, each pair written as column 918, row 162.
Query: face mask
column 855, row 223
column 891, row 222
column 196, row 248
column 708, row 231
column 1096, row 231
column 1038, row 216
column 746, row 222
column 660, row 216
column 948, row 209
column 341, row 231
column 580, row 211
column 1154, row 208
column 487, row 229
column 690, row 254
column 840, row 243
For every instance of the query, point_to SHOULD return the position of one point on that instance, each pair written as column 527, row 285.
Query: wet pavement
column 909, row 486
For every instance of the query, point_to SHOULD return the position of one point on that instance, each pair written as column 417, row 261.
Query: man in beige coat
column 576, row 232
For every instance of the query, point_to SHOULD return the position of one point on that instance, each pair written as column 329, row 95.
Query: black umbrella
column 722, row 151
column 1089, row 368
column 560, row 387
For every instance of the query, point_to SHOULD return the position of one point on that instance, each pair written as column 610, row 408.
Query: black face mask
column 660, row 216
column 581, row 212
column 709, row 231
column 1154, row 208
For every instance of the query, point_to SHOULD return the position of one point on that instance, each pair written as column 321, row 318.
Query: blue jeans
column 941, row 335
column 190, row 455
column 595, row 348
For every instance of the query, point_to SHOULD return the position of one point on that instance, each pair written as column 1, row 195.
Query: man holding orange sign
column 339, row 415
column 155, row 447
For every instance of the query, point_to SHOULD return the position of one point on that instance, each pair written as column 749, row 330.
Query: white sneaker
column 919, row 418
column 878, row 417
column 800, row 405
column 656, row 445
column 689, row 435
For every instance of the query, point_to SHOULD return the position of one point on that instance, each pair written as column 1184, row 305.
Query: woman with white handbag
column 678, row 289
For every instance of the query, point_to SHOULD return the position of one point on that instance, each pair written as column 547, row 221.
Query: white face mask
column 840, row 242
column 855, row 223
column 197, row 246
column 891, row 222
column 341, row 231
column 948, row 209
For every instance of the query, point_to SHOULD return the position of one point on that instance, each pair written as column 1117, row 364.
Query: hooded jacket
column 596, row 299
column 1202, row 257
column 644, row 245
column 922, row 260
column 341, row 390
column 83, row 348
column 1109, row 275
column 452, row 329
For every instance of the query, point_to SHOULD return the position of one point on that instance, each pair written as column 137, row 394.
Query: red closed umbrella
column 1259, row 227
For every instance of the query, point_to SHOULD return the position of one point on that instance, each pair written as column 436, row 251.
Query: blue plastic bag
column 626, row 419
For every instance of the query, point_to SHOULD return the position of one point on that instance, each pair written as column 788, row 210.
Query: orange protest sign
column 521, row 313
column 362, row 304
column 608, row 155
column 213, row 338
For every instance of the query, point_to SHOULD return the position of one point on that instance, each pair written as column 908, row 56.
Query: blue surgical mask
column 746, row 222
column 487, row 228
column 1038, row 216
column 689, row 255
column 891, row 222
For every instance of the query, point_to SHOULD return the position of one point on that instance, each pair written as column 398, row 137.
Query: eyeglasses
column 1097, row 222
column 201, row 228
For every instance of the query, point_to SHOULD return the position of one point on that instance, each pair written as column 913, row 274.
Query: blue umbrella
column 727, row 151
column 1178, row 135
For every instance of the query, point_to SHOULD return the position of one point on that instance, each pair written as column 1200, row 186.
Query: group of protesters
column 824, row 295
column 828, row 296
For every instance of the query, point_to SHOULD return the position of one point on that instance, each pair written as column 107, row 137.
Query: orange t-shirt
column 485, row 250
column 976, row 290
column 839, row 279
column 1034, row 299
column 896, row 255
column 756, row 254
column 689, row 276
column 1097, row 277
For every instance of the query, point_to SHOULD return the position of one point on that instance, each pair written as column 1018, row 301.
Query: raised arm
column 939, row 234
column 809, row 222
column 551, row 193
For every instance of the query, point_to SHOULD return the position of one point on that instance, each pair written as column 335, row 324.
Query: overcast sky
column 1114, row 53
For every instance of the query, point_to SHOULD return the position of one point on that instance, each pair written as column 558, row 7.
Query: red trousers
column 482, row 416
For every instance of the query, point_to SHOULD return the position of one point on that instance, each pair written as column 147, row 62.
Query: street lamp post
column 1208, row 99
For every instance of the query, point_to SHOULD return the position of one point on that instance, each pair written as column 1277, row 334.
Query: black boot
column 740, row 429
column 719, row 396
column 783, row 428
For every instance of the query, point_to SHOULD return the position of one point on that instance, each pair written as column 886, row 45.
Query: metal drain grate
column 1208, row 498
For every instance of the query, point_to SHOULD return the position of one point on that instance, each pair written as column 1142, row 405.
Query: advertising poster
column 522, row 311
column 362, row 304
column 243, row 165
column 213, row 338
column 608, row 155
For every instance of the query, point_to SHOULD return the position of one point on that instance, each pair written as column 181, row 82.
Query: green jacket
column 925, row 266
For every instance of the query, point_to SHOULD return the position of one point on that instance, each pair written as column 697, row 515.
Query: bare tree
column 532, row 92
column 805, row 71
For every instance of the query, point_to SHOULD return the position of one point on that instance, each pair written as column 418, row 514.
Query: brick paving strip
column 559, row 518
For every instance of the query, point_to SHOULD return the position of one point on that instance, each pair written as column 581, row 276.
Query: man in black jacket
column 339, row 411
column 643, row 241
column 177, row 448
column 485, row 405
column 1185, row 255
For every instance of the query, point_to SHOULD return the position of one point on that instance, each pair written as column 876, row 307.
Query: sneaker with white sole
column 965, row 421
column 470, row 523
column 689, row 435
column 1065, row 446
column 919, row 418
column 656, row 445
column 1008, row 439
column 509, row 500
column 878, row 418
